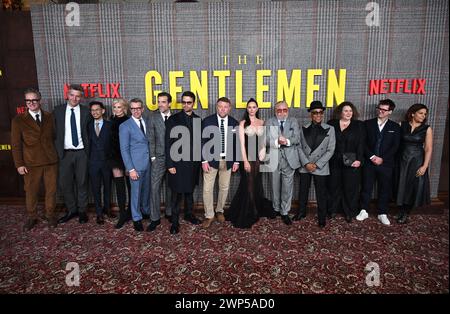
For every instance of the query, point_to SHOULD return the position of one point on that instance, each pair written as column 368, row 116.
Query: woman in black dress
column 415, row 155
column 120, row 109
column 345, row 165
column 249, row 203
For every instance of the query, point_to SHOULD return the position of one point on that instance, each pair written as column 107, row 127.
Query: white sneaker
column 384, row 220
column 362, row 215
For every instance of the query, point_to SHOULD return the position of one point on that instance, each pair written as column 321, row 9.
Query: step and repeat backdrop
column 298, row 51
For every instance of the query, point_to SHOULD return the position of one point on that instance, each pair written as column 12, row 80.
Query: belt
column 73, row 150
column 223, row 157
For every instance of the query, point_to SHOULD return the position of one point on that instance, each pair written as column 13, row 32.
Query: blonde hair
column 123, row 102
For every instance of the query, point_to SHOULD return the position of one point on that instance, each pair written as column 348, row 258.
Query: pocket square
column 390, row 131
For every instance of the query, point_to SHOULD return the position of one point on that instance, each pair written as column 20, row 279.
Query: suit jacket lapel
column 29, row 120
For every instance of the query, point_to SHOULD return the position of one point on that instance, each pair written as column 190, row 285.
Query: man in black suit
column 72, row 143
column 183, row 156
column 100, row 152
column 218, row 158
column 382, row 143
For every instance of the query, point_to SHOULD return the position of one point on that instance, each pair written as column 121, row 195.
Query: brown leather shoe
column 29, row 224
column 52, row 221
column 207, row 222
column 220, row 217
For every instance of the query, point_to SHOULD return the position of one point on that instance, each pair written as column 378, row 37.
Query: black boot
column 124, row 214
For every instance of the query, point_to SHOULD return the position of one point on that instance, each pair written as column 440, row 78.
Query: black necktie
column 38, row 121
column 222, row 133
column 165, row 118
column 141, row 126
column 73, row 127
column 281, row 126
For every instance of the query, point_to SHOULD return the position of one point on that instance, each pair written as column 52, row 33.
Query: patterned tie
column 141, row 126
column 222, row 134
column 73, row 127
column 97, row 128
column 38, row 121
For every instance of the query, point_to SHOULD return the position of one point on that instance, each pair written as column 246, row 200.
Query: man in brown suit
column 34, row 153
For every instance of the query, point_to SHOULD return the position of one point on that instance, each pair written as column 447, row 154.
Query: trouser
column 344, row 184
column 209, row 178
column 383, row 176
column 159, row 175
column 140, row 195
column 32, row 182
column 320, row 185
column 282, row 185
column 73, row 180
column 100, row 174
column 188, row 205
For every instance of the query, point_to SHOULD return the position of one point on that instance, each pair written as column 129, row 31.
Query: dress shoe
column 67, row 217
column 138, row 225
column 362, row 215
column 110, row 213
column 100, row 219
column 153, row 224
column 145, row 216
column 277, row 213
column 299, row 217
column 174, row 228
column 83, row 218
column 286, row 219
column 220, row 217
column 322, row 224
column 192, row 219
column 402, row 219
column 29, row 224
column 384, row 220
column 207, row 222
column 348, row 219
column 52, row 222
column 331, row 215
column 168, row 217
column 272, row 215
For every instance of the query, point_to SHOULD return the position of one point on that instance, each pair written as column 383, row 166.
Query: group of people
column 77, row 147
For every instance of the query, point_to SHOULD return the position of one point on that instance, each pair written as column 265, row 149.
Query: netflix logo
column 94, row 90
column 389, row 86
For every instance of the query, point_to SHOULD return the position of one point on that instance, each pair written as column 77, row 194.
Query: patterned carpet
column 269, row 258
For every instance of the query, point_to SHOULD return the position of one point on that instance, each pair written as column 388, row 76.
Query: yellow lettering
column 258, row 59
column 221, row 76
column 200, row 88
column 261, row 88
column 225, row 59
column 150, row 94
column 245, row 59
column 239, row 103
column 310, row 86
column 335, row 89
column 289, row 91
column 174, row 88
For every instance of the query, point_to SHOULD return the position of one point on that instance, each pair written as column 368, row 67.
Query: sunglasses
column 317, row 112
column 282, row 110
column 187, row 102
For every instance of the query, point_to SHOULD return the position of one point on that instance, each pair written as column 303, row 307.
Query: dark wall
column 18, row 71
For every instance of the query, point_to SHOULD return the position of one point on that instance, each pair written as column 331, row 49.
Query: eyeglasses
column 383, row 110
column 282, row 110
column 317, row 112
column 134, row 109
column 96, row 110
column 34, row 101
column 187, row 102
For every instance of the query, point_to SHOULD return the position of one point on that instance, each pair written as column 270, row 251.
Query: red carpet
column 269, row 258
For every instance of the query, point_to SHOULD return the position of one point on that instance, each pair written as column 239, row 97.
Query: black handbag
column 348, row 159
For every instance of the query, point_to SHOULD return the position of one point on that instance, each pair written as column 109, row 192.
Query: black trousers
column 73, row 180
column 100, row 174
column 383, row 177
column 344, row 189
column 188, row 205
column 320, row 184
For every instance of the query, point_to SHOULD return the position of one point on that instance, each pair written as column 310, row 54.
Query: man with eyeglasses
column 72, row 145
column 100, row 154
column 317, row 143
column 34, row 154
column 284, row 137
column 181, row 160
column 382, row 142
column 135, row 149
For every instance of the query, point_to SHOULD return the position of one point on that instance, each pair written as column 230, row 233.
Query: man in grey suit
column 71, row 120
column 283, row 136
column 135, row 150
column 157, row 131
column 317, row 142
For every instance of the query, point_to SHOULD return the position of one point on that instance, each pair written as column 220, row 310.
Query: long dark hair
column 246, row 117
column 413, row 109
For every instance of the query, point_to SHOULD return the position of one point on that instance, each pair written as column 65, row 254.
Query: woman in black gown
column 249, row 202
column 415, row 156
column 121, row 181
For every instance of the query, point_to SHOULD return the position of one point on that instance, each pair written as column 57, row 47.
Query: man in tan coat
column 33, row 149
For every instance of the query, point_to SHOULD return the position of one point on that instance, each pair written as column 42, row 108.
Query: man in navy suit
column 220, row 132
column 99, row 132
column 135, row 150
column 382, row 143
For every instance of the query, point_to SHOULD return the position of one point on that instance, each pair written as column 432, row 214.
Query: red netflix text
column 405, row 86
column 92, row 90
